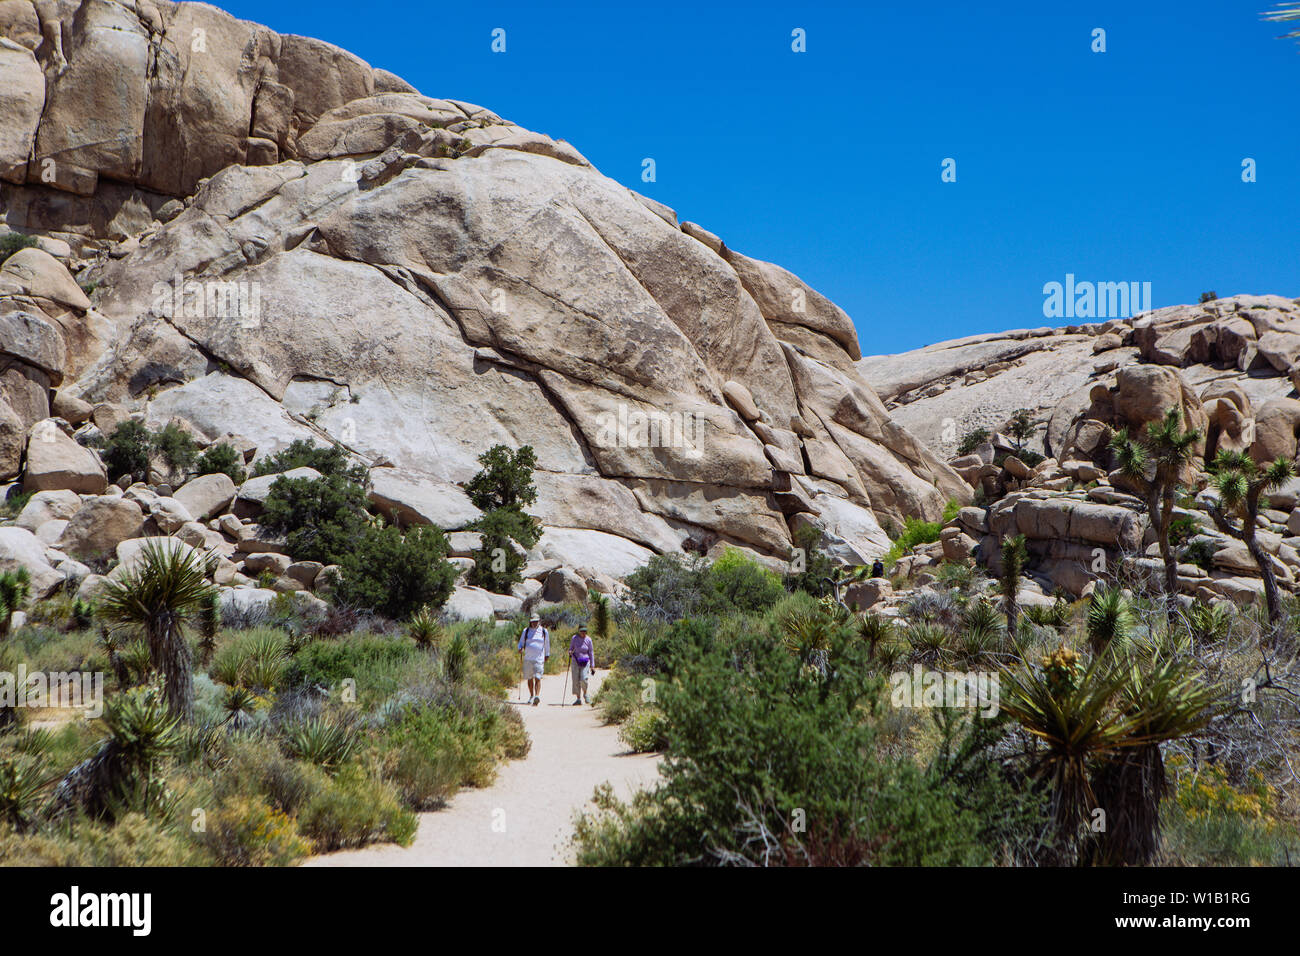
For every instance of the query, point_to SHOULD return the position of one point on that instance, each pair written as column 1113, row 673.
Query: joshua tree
column 1240, row 483
column 162, row 593
column 1155, row 463
column 1014, row 558
column 842, row 576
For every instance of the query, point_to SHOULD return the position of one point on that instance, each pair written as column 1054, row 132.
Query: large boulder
column 57, row 463
column 206, row 496
column 469, row 604
column 100, row 525
column 19, row 548
column 46, row 506
column 1277, row 424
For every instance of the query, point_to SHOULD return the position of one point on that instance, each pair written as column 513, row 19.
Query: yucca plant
column 1165, row 701
column 1014, row 558
column 455, row 658
column 22, row 787
column 239, row 704
column 209, row 622
column 1240, row 483
column 327, row 742
column 981, row 629
column 267, row 657
column 1155, row 464
column 1209, row 623
column 159, row 596
column 600, row 616
column 875, row 629
column 112, row 646
column 15, row 586
column 929, row 641
column 424, row 629
column 1109, row 619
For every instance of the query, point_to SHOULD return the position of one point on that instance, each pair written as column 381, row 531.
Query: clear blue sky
column 1116, row 166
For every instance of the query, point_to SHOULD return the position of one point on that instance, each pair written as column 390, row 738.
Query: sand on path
column 526, row 817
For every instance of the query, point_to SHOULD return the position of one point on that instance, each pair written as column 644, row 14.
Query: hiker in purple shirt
column 582, row 664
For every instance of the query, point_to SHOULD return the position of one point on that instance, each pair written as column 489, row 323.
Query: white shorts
column 533, row 669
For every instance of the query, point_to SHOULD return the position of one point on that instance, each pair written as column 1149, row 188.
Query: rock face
column 299, row 245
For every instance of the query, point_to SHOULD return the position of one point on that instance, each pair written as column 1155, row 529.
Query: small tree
column 1240, row 483
column 506, row 480
column 127, row 450
column 396, row 574
column 1155, row 464
column 329, row 460
column 221, row 458
column 1021, row 427
column 176, row 449
column 161, row 594
column 1014, row 558
column 321, row 518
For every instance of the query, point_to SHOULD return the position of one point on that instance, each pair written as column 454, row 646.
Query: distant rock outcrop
column 284, row 242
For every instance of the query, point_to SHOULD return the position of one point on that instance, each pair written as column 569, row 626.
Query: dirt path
column 526, row 817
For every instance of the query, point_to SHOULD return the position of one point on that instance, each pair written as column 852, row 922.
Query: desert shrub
column 673, row 586
column 1056, row 614
column 127, row 450
column 972, row 440
column 396, row 574
column 743, row 583
column 355, row 809
column 256, row 659
column 718, row 805
column 915, row 532
column 505, row 480
column 134, row 840
column 1200, row 553
column 320, row 518
column 330, row 460
column 246, row 831
column 221, row 458
column 12, row 242
column 644, row 731
column 373, row 661
column 1210, row 822
column 431, row 751
column 619, row 695
column 175, row 447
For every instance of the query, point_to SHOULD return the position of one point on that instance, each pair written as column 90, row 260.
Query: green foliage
column 497, row 563
column 12, row 242
column 672, row 586
column 424, row 629
column 1021, row 427
column 367, row 659
column 813, row 727
column 330, row 460
column 15, row 588
column 396, row 574
column 1109, row 619
column 221, row 458
column 128, row 449
column 972, row 440
column 247, row 831
column 320, row 518
column 743, row 583
column 915, row 531
column 22, row 787
column 505, row 481
column 355, row 809
column 817, row 564
column 326, row 741
column 644, row 731
column 455, row 658
column 175, row 447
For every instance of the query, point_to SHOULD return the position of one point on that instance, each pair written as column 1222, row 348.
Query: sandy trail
column 526, row 817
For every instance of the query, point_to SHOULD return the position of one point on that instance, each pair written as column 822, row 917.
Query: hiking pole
column 564, row 692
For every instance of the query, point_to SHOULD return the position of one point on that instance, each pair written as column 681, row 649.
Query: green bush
column 320, row 518
column 221, row 459
column 644, row 731
column 505, row 481
column 374, row 662
column 743, row 583
column 248, row 832
column 326, row 741
column 396, row 574
column 356, row 809
column 127, row 450
column 12, row 242
column 972, row 440
column 175, row 447
column 497, row 564
column 330, row 460
column 915, row 531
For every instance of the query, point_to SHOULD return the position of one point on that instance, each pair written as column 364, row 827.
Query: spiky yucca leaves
column 328, row 742
column 929, row 642
column 1166, row 700
column 981, row 630
column 239, row 704
column 22, row 787
column 127, row 772
column 1155, row 463
column 455, row 658
column 1109, row 619
column 600, row 616
column 209, row 620
column 15, row 586
column 163, row 592
column 1014, row 558
column 424, row 629
column 875, row 629
column 1240, row 483
column 1209, row 623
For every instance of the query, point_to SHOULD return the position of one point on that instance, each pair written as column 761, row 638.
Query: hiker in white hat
column 535, row 651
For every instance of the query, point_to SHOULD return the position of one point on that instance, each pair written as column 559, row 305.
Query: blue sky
column 1115, row 166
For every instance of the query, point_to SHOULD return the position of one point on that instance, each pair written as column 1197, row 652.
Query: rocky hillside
column 265, row 238
column 1228, row 365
